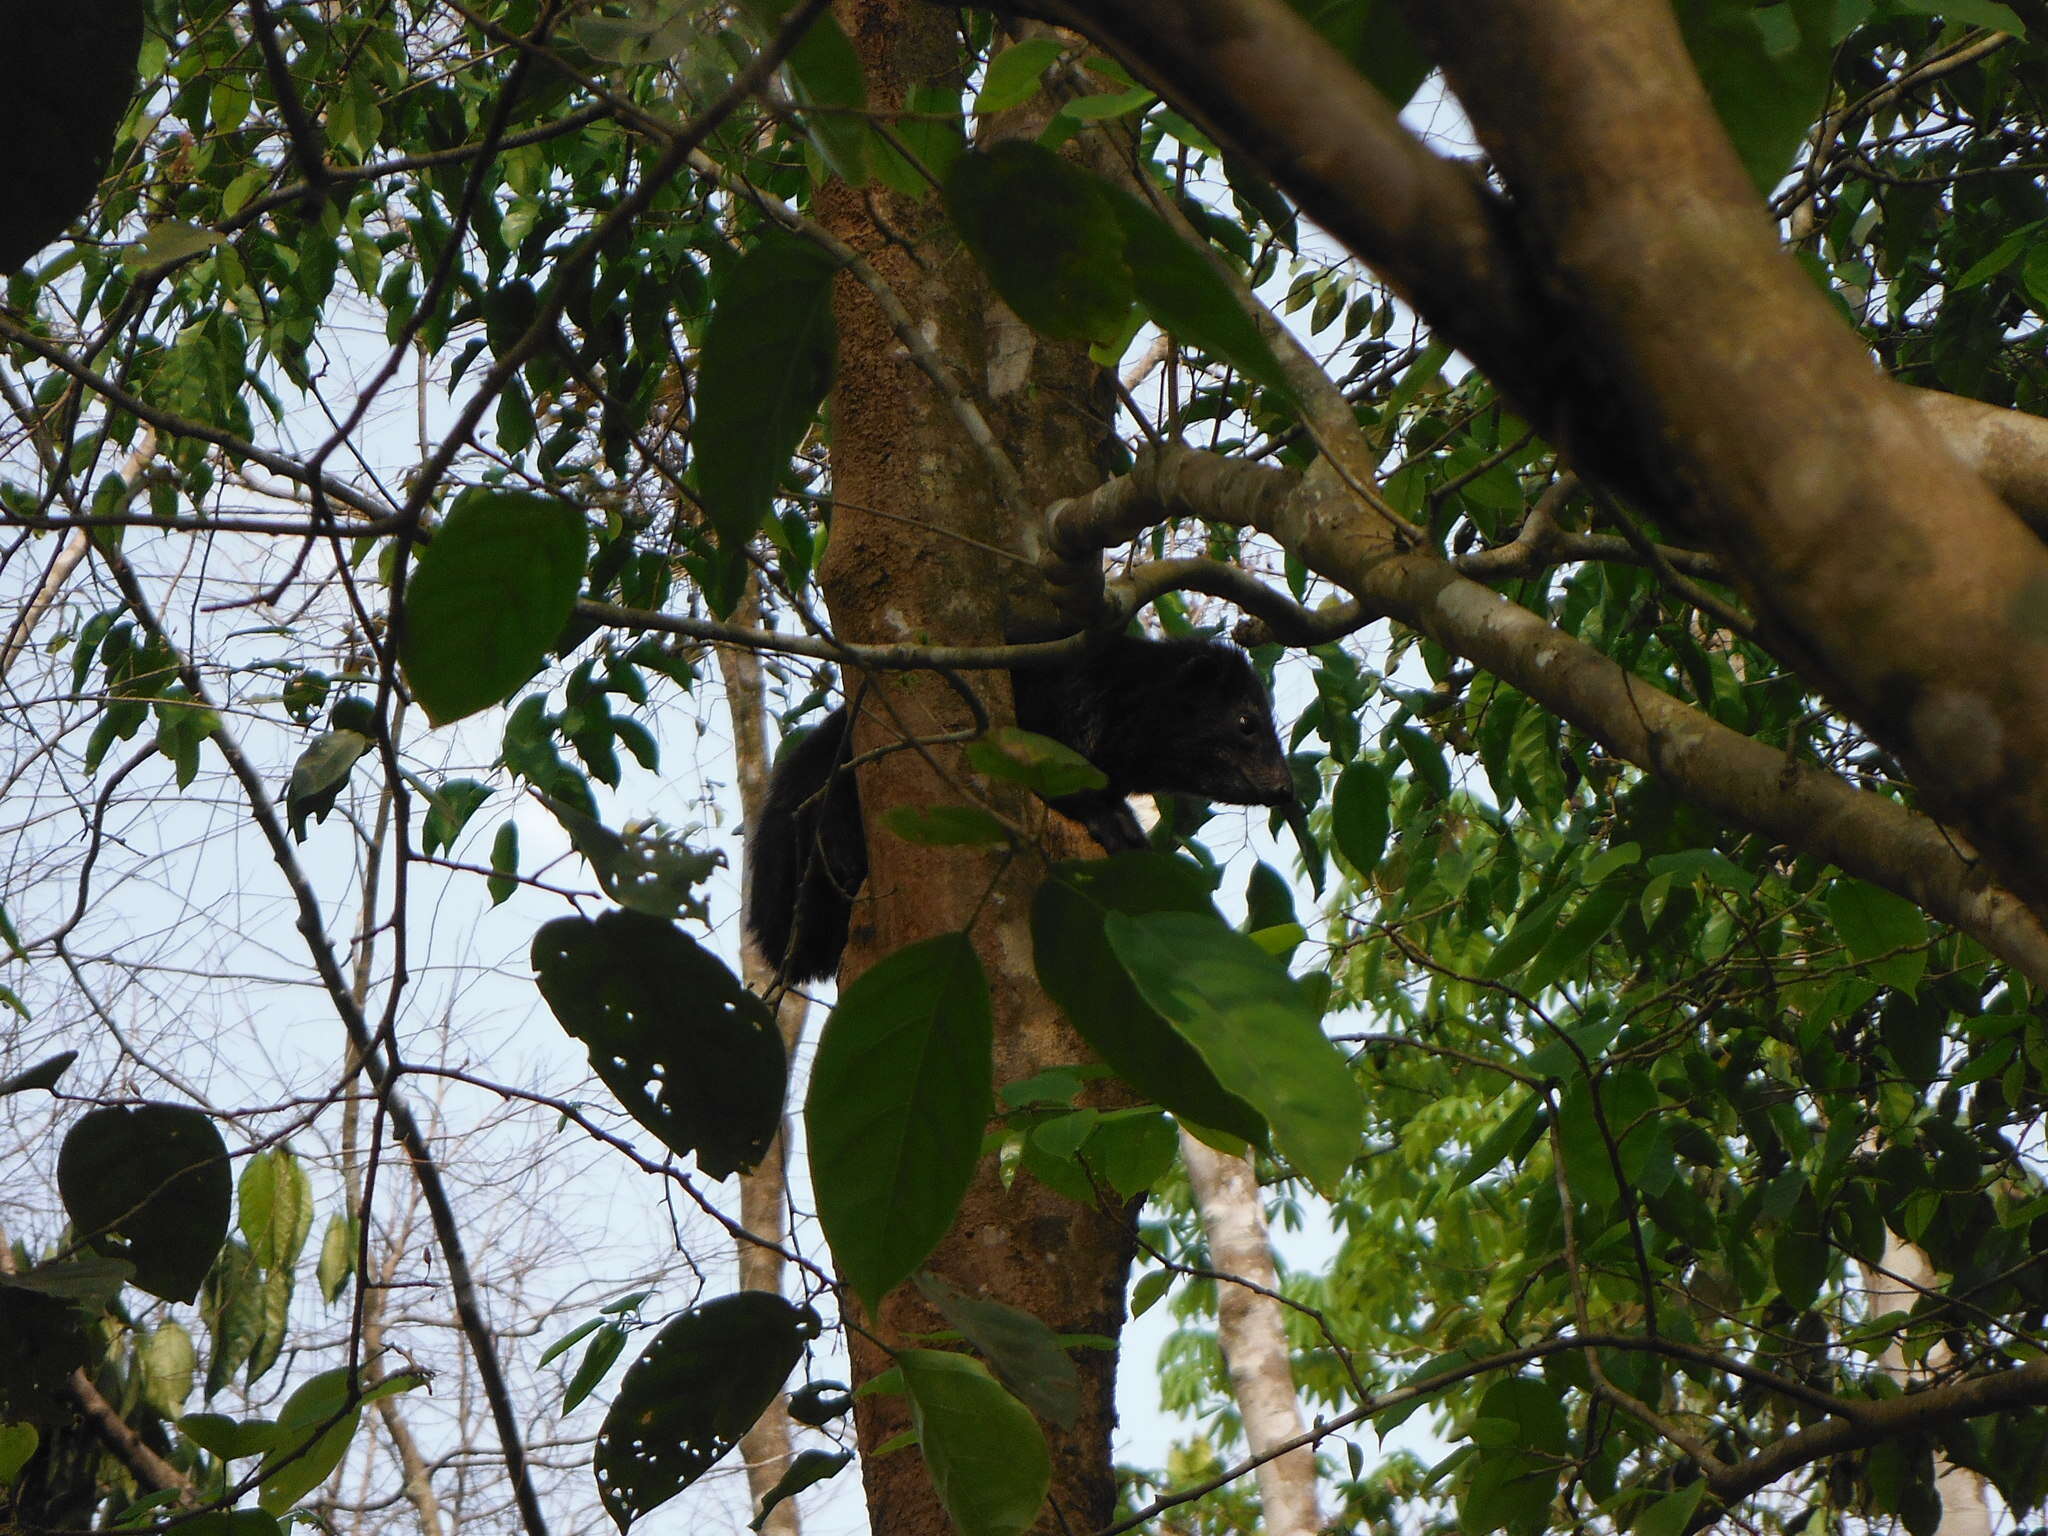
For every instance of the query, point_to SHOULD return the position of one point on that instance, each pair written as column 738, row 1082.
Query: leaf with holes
column 690, row 1052
column 690, row 1396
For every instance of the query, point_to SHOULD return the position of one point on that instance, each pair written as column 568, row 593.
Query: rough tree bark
column 915, row 526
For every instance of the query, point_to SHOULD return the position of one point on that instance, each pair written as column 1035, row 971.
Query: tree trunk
column 763, row 1193
column 913, row 526
column 1895, row 1285
column 1252, row 1332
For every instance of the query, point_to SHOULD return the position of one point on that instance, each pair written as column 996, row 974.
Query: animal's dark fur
column 1156, row 716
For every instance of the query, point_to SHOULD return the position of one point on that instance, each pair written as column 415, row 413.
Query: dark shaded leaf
column 1025, row 1354
column 901, row 1094
column 1081, row 973
column 487, row 599
column 986, row 1454
column 769, row 353
column 1251, row 1023
column 689, row 1051
column 1048, row 236
column 149, row 1184
column 694, row 1391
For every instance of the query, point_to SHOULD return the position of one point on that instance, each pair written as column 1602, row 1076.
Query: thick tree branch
column 1672, row 348
column 1747, row 782
column 1889, row 573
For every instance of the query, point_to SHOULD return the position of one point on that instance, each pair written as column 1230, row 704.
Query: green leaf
column 1359, row 816
column 277, row 1207
column 689, row 1051
column 172, row 240
column 233, row 1309
column 1588, row 1162
column 313, row 1433
column 1132, row 1148
column 1532, row 930
column 945, row 826
column 230, row 1438
column 1047, row 767
column 1238, row 1007
column 149, row 1184
column 319, row 776
column 770, row 350
column 337, row 1257
column 449, row 808
column 825, row 72
column 273, row 1301
column 1048, row 236
column 1151, row 1286
column 1766, row 92
column 694, row 1391
column 1501, row 1140
column 503, row 879
column 1013, row 75
column 166, row 1361
column 598, row 1355
column 43, row 1074
column 987, row 1456
column 1024, row 1353
column 1564, row 949
column 1081, row 973
column 901, row 1093
column 487, row 599
column 1182, row 288
column 17, row 1443
column 1886, row 934
column 809, row 1468
column 1375, row 38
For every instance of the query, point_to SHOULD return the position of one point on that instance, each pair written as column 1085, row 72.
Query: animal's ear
column 1205, row 667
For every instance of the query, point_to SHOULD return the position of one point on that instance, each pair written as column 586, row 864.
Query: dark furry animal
column 1156, row 716
column 67, row 73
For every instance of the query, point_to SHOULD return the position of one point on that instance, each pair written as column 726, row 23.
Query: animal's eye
column 1247, row 726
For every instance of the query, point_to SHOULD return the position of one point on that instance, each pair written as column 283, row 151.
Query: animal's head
column 1220, row 710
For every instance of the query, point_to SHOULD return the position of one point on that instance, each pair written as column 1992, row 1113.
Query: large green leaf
column 313, row 1432
column 1081, row 973
column 487, row 599
column 900, row 1097
column 1766, row 69
column 1023, row 1351
column 1359, row 815
column 986, row 1454
column 1375, row 38
column 769, row 352
column 1048, row 235
column 312, row 1435
column 1237, row 1005
column 689, row 1051
column 697, row 1388
column 1181, row 288
column 1886, row 934
column 149, row 1183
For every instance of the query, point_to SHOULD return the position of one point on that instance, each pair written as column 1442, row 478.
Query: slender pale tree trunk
column 1253, row 1334
column 764, row 1192
column 1901, row 1280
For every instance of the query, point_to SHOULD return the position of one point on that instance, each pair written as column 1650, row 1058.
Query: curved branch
column 1745, row 781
